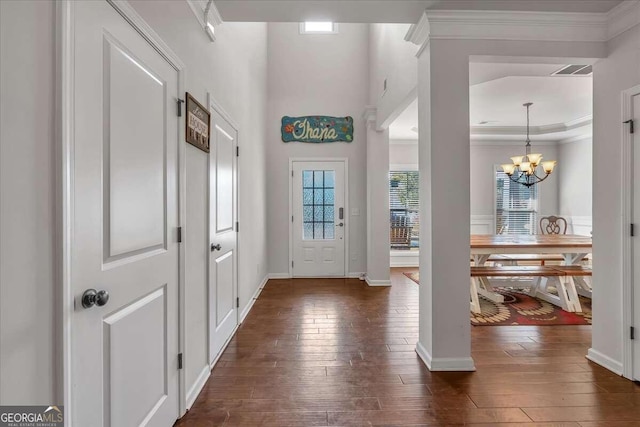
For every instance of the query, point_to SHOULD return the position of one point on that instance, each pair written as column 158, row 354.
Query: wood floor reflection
column 319, row 352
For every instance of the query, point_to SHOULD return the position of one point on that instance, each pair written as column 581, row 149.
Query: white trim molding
column 404, row 258
column 605, row 361
column 483, row 224
column 451, row 364
column 207, row 15
column 623, row 17
column 533, row 130
column 197, row 386
column 373, row 282
column 524, row 25
column 279, row 276
column 247, row 308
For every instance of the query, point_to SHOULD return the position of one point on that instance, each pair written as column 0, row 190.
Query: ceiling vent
column 574, row 70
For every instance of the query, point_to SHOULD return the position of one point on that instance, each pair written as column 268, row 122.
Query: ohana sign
column 317, row 129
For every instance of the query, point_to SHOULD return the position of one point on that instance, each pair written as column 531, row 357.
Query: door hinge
column 237, row 302
column 180, row 102
column 633, row 231
column 631, row 129
column 291, row 218
column 179, row 234
column 632, row 333
column 237, row 227
column 179, row 360
column 291, row 264
column 291, row 173
column 237, row 151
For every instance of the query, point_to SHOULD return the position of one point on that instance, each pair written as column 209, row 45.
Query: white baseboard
column 253, row 299
column 277, row 276
column 605, row 361
column 458, row 364
column 196, row 388
column 372, row 282
column 404, row 259
column 356, row 275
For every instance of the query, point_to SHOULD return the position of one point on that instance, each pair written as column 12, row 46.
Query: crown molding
column 199, row 6
column 370, row 114
column 575, row 139
column 509, row 25
column 623, row 17
column 524, row 26
column 474, row 142
column 419, row 32
column 533, row 130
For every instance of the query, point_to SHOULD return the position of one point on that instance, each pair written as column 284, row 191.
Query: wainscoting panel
column 482, row 224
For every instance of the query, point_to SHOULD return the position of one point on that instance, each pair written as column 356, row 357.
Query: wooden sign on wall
column 197, row 124
column 317, row 129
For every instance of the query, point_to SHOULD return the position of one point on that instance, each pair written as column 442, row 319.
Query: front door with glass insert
column 319, row 219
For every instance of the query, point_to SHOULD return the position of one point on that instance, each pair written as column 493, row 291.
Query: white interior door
column 635, row 147
column 124, row 353
column 319, row 219
column 223, row 261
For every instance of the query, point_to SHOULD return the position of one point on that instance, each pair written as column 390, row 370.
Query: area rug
column 519, row 308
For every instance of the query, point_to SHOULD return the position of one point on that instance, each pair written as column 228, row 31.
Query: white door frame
column 627, row 257
column 65, row 122
column 347, row 215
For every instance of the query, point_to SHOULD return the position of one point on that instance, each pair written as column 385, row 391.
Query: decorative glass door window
column 318, row 204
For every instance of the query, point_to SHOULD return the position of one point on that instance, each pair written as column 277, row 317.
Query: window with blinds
column 404, row 208
column 516, row 206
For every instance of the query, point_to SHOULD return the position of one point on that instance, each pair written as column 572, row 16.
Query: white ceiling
column 562, row 106
column 389, row 11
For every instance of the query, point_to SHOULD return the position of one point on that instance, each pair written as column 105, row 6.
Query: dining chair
column 553, row 225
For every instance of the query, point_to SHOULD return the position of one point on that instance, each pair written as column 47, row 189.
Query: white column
column 443, row 102
column 378, row 245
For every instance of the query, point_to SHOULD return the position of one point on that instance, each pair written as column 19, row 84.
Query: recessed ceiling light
column 316, row 27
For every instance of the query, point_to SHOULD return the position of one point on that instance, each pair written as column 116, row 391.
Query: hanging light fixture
column 523, row 169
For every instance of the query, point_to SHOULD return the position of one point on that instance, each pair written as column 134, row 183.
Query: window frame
column 497, row 168
column 406, row 168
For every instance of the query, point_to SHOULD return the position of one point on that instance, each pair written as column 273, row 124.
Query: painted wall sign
column 317, row 129
column 197, row 124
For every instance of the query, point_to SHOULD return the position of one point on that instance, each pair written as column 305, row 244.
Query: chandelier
column 523, row 170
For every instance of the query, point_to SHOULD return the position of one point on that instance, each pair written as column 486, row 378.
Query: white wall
column 391, row 58
column 403, row 154
column 316, row 74
column 575, row 192
column 619, row 71
column 28, row 327
column 233, row 71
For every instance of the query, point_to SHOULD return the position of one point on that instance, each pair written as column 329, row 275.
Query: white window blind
column 516, row 206
column 404, row 208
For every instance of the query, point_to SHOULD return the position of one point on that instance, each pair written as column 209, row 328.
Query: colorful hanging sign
column 317, row 129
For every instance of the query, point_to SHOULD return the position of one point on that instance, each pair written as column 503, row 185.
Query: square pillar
column 443, row 103
column 378, row 244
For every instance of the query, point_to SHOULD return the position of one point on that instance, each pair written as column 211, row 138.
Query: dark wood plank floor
column 339, row 353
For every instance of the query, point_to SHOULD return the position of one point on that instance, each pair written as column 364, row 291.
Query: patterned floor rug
column 519, row 308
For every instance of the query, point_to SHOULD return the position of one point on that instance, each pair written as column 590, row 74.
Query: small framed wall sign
column 317, row 129
column 197, row 124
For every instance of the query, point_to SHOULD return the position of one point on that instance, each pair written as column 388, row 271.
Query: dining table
column 572, row 248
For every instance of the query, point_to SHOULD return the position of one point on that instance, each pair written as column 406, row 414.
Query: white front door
column 124, row 353
column 319, row 219
column 635, row 147
column 223, row 260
